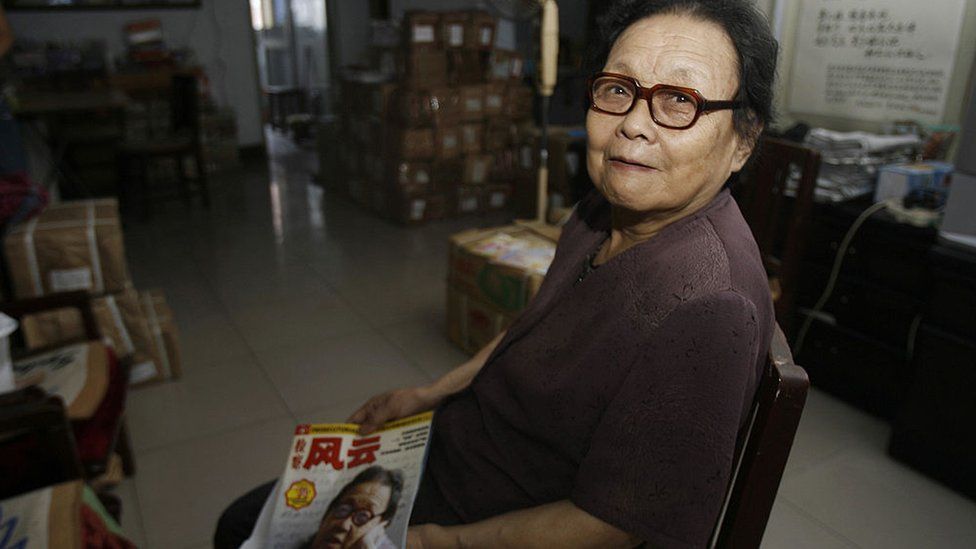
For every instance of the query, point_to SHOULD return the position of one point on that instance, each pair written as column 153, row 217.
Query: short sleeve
column 660, row 460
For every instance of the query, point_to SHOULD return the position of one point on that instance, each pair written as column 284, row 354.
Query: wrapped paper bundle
column 71, row 246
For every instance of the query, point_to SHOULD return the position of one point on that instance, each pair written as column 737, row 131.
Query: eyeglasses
column 359, row 516
column 671, row 106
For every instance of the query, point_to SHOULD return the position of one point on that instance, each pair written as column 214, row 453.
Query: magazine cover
column 342, row 490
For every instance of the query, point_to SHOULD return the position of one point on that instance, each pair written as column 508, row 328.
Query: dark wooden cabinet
column 858, row 347
column 934, row 429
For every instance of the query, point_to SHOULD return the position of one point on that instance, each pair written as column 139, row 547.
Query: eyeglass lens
column 670, row 107
column 359, row 516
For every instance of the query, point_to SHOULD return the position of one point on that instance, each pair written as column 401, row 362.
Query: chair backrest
column 162, row 103
column 762, row 453
column 779, row 222
column 79, row 300
column 37, row 445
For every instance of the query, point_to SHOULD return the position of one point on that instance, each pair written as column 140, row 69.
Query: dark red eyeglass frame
column 704, row 105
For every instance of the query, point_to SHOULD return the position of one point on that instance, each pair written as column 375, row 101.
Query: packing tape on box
column 113, row 309
column 157, row 334
column 93, row 250
column 89, row 226
column 35, row 269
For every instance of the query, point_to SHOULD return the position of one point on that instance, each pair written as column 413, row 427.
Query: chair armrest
column 79, row 300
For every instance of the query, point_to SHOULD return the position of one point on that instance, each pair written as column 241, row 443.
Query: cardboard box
column 519, row 102
column 496, row 197
column 506, row 66
column 480, row 32
column 412, row 209
column 482, row 276
column 473, row 103
column 453, row 26
column 472, row 138
column 448, row 174
column 422, row 30
column 408, row 207
column 500, row 134
column 126, row 324
column 468, row 67
column 467, row 200
column 411, row 143
column 929, row 178
column 448, row 142
column 473, row 323
column 414, row 177
column 495, row 100
column 70, row 246
column 415, row 108
column 446, row 106
column 425, row 69
column 477, row 169
column 162, row 325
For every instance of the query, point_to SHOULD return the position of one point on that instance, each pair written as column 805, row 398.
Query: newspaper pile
column 850, row 160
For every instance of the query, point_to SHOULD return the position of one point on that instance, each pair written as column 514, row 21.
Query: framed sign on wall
column 876, row 60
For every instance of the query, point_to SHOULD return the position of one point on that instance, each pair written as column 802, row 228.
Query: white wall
column 219, row 32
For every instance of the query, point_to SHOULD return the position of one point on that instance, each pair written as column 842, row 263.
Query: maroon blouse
column 624, row 392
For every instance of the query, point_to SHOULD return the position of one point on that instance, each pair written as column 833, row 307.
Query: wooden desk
column 82, row 130
column 42, row 104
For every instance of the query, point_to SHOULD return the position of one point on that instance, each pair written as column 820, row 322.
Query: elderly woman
column 608, row 414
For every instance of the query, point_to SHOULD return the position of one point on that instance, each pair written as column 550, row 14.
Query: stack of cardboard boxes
column 78, row 245
column 492, row 275
column 440, row 138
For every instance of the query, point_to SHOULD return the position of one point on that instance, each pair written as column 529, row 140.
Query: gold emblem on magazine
column 300, row 494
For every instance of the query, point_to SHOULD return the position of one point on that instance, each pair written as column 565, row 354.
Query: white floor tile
column 206, row 401
column 829, row 426
column 426, row 345
column 790, row 528
column 184, row 487
column 875, row 502
column 341, row 369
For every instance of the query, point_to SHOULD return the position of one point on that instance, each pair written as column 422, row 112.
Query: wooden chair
column 763, row 450
column 179, row 141
column 81, row 301
column 37, row 445
column 779, row 222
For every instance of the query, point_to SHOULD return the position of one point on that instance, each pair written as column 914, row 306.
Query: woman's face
column 645, row 168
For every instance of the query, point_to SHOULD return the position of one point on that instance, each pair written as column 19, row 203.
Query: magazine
column 340, row 489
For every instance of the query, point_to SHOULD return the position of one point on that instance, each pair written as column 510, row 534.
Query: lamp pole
column 548, row 69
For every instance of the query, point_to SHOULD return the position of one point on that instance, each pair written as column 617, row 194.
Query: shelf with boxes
column 433, row 128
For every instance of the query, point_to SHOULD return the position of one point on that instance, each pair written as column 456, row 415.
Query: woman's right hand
column 393, row 405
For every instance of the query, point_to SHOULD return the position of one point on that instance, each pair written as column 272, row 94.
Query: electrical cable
column 912, row 335
column 835, row 272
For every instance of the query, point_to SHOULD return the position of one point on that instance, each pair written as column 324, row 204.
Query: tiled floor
column 295, row 306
